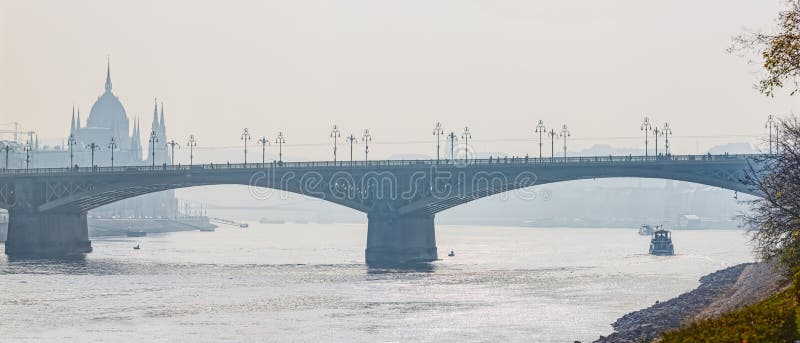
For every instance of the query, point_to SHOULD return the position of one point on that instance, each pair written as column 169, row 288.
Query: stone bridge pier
column 400, row 239
column 32, row 232
column 47, row 234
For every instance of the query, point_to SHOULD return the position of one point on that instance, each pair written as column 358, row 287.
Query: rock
column 719, row 292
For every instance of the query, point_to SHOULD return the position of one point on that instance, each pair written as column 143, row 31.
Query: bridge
column 48, row 206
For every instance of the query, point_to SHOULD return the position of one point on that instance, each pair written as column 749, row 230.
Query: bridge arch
column 727, row 177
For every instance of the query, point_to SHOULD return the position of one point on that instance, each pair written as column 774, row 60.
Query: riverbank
column 719, row 292
column 103, row 227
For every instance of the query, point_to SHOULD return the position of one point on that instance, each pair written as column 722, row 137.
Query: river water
column 307, row 282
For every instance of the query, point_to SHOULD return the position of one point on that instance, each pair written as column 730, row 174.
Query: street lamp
column 153, row 141
column 191, row 144
column 172, row 144
column 264, row 142
column 112, row 146
column 437, row 131
column 93, row 147
column 71, row 141
column 7, row 148
column 564, row 134
column 245, row 137
column 27, row 149
column 335, row 134
column 453, row 138
column 366, row 138
column 552, row 134
column 540, row 129
column 656, row 131
column 770, row 123
column 466, row 135
column 667, row 130
column 646, row 128
column 280, row 140
column 351, row 139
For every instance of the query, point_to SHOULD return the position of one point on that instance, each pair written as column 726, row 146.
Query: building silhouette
column 108, row 120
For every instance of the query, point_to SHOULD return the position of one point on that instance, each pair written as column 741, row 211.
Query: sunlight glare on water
column 307, row 282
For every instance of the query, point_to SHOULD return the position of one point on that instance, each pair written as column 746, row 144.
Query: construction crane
column 15, row 132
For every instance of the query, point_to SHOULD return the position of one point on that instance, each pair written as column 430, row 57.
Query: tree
column 779, row 52
column 774, row 219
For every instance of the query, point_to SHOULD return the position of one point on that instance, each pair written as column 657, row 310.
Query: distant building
column 690, row 221
column 108, row 120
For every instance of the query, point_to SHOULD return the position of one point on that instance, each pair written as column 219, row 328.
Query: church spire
column 108, row 75
column 162, row 125
column 155, row 115
column 78, row 123
column 72, row 127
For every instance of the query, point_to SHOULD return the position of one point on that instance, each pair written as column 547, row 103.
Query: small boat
column 646, row 230
column 244, row 225
column 452, row 253
column 136, row 247
column 661, row 244
column 206, row 229
column 139, row 233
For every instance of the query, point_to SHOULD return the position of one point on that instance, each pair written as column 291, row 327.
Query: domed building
column 108, row 120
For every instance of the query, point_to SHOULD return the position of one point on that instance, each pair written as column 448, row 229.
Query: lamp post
column 540, row 129
column 552, row 134
column 335, row 134
column 245, row 137
column 351, row 139
column 366, row 138
column 667, row 130
column 770, row 123
column 112, row 146
column 93, row 147
column 453, row 138
column 71, row 141
column 564, row 134
column 191, row 143
column 153, row 141
column 280, row 140
column 466, row 135
column 7, row 148
column 264, row 142
column 437, row 131
column 656, row 132
column 172, row 144
column 646, row 128
column 27, row 149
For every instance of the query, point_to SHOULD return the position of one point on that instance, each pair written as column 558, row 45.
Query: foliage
column 774, row 319
column 774, row 219
column 779, row 52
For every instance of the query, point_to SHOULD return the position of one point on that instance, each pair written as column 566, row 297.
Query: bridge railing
column 385, row 163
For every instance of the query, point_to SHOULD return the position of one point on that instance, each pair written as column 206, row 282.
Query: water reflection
column 65, row 265
column 384, row 268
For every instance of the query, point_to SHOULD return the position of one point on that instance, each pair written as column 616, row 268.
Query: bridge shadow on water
column 399, row 268
column 61, row 264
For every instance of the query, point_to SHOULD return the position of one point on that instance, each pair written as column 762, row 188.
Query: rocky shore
column 719, row 292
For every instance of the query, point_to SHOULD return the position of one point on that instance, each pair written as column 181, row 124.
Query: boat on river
column 140, row 233
column 661, row 243
column 646, row 230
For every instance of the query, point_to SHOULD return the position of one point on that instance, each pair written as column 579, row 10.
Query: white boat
column 646, row 230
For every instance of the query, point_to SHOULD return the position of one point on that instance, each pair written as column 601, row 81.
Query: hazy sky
column 394, row 67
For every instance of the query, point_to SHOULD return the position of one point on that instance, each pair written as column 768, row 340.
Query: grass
column 775, row 319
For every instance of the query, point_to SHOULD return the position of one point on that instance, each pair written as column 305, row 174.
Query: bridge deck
column 556, row 161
